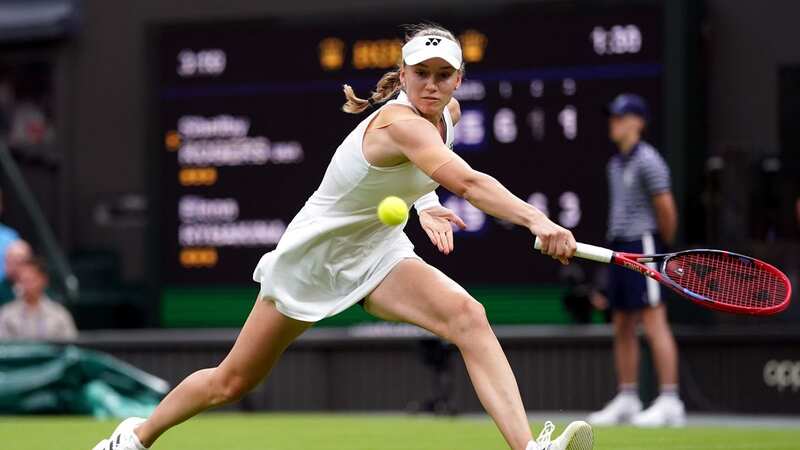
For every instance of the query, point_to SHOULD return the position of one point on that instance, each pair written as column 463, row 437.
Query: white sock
column 532, row 446
column 138, row 443
column 629, row 390
column 669, row 390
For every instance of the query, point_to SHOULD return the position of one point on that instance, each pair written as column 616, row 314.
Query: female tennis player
column 336, row 253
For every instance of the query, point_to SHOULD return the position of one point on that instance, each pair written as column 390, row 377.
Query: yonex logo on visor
column 422, row 48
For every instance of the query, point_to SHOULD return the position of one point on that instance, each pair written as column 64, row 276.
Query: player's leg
column 624, row 289
column 630, row 297
column 418, row 293
column 667, row 409
column 264, row 337
column 626, row 347
column 626, row 403
column 654, row 319
column 662, row 344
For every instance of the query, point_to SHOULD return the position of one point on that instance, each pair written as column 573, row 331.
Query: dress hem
column 357, row 295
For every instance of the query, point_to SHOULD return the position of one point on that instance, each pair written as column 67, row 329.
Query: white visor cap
column 422, row 48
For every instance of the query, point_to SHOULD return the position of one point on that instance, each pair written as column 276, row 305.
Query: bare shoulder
column 395, row 129
column 411, row 130
column 393, row 113
column 405, row 123
column 455, row 110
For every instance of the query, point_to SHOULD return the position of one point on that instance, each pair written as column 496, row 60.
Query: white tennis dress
column 336, row 251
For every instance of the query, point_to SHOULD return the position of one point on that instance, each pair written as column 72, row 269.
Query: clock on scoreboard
column 247, row 115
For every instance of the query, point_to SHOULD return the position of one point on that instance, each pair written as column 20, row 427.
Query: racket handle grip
column 586, row 251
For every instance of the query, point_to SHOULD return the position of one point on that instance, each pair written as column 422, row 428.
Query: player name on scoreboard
column 207, row 149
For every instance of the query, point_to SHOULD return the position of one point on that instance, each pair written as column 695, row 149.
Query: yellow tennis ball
column 392, row 211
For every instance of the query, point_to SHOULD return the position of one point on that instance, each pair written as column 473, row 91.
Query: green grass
column 365, row 432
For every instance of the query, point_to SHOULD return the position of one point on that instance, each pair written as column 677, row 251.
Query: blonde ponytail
column 387, row 86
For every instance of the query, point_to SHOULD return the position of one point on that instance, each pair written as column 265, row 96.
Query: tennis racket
column 714, row 279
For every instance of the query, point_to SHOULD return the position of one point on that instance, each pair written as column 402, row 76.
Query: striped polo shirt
column 633, row 180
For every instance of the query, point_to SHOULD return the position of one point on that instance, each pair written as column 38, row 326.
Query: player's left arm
column 666, row 216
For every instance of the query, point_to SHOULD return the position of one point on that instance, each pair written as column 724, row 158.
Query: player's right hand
column 557, row 241
column 436, row 222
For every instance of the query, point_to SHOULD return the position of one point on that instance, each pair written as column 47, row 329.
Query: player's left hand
column 438, row 225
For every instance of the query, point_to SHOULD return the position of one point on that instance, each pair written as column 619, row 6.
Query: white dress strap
column 449, row 127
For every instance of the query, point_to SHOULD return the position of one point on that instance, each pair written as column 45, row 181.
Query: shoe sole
column 580, row 435
column 672, row 422
column 622, row 420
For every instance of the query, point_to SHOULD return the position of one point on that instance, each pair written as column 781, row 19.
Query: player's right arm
column 419, row 141
column 666, row 216
column 656, row 181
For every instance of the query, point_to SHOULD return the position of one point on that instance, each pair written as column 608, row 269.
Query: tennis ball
column 392, row 211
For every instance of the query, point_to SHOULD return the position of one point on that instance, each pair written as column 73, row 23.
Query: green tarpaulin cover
column 50, row 379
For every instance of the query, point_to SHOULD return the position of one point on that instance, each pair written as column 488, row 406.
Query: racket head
column 728, row 281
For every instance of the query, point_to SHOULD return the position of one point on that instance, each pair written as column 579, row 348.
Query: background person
column 642, row 218
column 33, row 315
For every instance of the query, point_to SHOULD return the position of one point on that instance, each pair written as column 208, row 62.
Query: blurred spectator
column 24, row 100
column 29, row 126
column 33, row 315
column 18, row 253
column 7, row 236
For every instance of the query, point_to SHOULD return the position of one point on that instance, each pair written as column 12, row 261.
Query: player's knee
column 229, row 387
column 625, row 328
column 655, row 331
column 468, row 318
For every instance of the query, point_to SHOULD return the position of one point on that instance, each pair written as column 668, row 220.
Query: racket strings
column 728, row 279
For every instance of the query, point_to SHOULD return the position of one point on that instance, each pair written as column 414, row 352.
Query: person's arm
column 656, row 179
column 431, row 200
column 4, row 332
column 666, row 216
column 420, row 142
column 67, row 329
column 7, row 328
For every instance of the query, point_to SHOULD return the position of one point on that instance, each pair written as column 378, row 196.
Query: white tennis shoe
column 666, row 411
column 577, row 436
column 621, row 409
column 123, row 437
